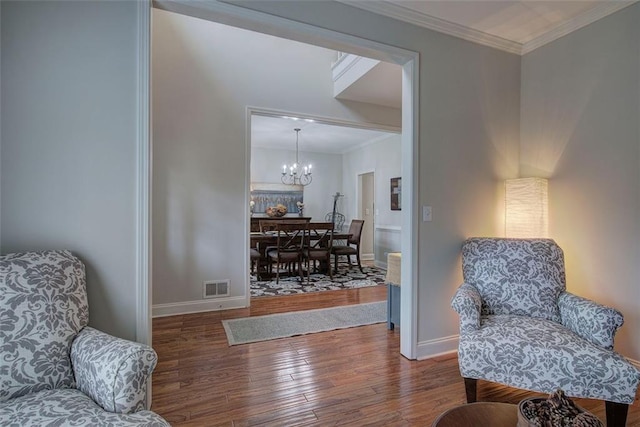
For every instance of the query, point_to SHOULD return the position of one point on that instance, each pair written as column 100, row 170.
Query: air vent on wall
column 215, row 288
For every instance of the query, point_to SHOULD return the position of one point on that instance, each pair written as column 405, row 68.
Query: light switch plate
column 426, row 213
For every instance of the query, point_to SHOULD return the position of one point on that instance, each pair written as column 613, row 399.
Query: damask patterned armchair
column 519, row 327
column 54, row 369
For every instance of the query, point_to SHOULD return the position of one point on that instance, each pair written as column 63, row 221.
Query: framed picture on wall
column 396, row 194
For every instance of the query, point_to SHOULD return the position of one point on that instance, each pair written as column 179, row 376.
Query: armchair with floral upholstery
column 54, row 369
column 519, row 327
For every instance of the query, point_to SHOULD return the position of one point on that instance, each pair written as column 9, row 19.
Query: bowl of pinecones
column 555, row 411
column 276, row 211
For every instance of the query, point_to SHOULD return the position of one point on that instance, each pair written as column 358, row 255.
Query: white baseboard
column 367, row 257
column 188, row 307
column 437, row 347
column 380, row 264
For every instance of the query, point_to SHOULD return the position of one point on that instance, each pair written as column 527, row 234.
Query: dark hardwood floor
column 348, row 377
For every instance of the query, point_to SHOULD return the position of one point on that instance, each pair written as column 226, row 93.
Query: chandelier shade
column 296, row 174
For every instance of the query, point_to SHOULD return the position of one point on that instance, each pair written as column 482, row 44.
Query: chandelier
column 296, row 174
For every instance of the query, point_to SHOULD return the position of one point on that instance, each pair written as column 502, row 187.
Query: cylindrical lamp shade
column 526, row 208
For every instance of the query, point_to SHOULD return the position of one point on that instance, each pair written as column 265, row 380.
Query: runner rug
column 263, row 328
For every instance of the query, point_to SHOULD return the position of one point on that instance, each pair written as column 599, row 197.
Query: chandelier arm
column 293, row 177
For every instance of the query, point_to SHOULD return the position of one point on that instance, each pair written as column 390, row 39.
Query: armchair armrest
column 594, row 322
column 467, row 302
column 112, row 371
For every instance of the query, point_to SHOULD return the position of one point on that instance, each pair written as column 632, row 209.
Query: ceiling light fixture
column 296, row 174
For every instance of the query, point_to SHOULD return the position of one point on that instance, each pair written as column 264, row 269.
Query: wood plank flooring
column 350, row 377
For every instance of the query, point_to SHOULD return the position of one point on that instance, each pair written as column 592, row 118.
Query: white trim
column 392, row 228
column 143, row 179
column 273, row 112
column 238, row 16
column 401, row 13
column 199, row 306
column 247, row 197
column 380, row 264
column 410, row 145
column 437, row 347
column 367, row 257
column 344, row 65
column 588, row 17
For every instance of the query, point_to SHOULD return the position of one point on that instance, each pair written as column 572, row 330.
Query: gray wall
column 469, row 132
column 580, row 115
column 384, row 158
column 205, row 75
column 68, row 148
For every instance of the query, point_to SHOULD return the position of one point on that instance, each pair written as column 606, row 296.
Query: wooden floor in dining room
column 351, row 377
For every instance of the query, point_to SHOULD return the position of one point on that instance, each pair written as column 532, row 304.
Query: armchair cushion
column 592, row 321
column 43, row 305
column 112, row 371
column 68, row 407
column 540, row 355
column 515, row 276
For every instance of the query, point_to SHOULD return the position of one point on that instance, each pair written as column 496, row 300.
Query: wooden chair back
column 292, row 235
column 321, row 235
column 355, row 229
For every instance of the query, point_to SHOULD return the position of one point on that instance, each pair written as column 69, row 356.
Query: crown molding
column 401, row 13
column 582, row 20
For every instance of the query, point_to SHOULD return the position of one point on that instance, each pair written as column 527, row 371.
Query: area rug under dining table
column 345, row 278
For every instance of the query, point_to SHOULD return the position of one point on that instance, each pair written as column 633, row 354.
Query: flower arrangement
column 300, row 207
column 276, row 211
column 252, row 204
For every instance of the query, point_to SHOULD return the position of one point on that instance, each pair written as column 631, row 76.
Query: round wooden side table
column 479, row 414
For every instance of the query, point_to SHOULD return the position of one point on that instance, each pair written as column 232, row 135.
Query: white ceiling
column 517, row 21
column 514, row 26
column 277, row 133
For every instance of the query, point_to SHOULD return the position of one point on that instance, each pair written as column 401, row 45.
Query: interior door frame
column 238, row 16
column 272, row 112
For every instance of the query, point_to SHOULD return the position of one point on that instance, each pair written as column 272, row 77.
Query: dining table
column 263, row 239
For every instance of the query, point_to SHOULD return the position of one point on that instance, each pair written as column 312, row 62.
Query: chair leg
column 470, row 389
column 616, row 414
column 358, row 258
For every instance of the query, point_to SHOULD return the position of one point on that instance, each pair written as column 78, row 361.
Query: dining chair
column 319, row 247
column 254, row 255
column 355, row 231
column 290, row 245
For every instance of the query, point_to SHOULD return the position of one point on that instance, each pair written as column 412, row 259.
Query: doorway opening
column 245, row 18
column 366, row 211
column 338, row 151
